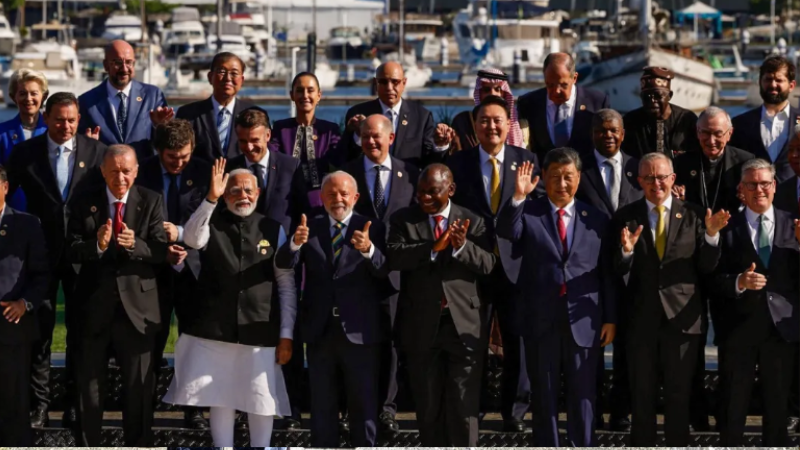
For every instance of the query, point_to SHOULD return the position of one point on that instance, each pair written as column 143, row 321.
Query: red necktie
column 562, row 234
column 118, row 223
column 437, row 233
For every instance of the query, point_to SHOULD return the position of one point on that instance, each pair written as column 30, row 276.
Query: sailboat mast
column 644, row 22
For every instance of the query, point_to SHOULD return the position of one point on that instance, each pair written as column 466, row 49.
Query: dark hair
column 491, row 100
column 559, row 58
column 3, row 174
column 61, row 98
column 173, row 135
column 252, row 117
column 304, row 74
column 437, row 167
column 605, row 115
column 223, row 57
column 774, row 64
column 562, row 155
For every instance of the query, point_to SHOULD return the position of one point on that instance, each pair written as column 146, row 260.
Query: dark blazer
column 24, row 273
column 95, row 110
column 130, row 274
column 29, row 169
column 354, row 284
column 203, row 118
column 424, row 282
column 537, row 265
column 593, row 191
column 533, row 107
column 689, row 171
column 195, row 180
column 669, row 286
column 285, row 198
column 786, row 197
column 11, row 134
column 747, row 135
column 779, row 300
column 414, row 140
column 402, row 192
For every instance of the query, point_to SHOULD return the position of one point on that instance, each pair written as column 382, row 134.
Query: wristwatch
column 28, row 306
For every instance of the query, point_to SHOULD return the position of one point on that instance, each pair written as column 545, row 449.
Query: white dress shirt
column 196, row 235
column 263, row 163
column 775, row 130
column 113, row 100
column 487, row 169
column 2, row 213
column 386, row 177
column 395, row 121
column 346, row 221
column 552, row 113
column 616, row 160
column 112, row 211
column 569, row 223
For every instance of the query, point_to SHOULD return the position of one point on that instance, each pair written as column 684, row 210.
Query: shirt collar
column 445, row 212
column 601, row 159
column 752, row 216
column 112, row 199
column 570, row 208
column 52, row 146
column 3, row 212
column 396, row 108
column 264, row 161
column 369, row 165
column 112, row 91
column 784, row 113
column 218, row 107
column 569, row 102
column 484, row 156
column 346, row 220
column 667, row 204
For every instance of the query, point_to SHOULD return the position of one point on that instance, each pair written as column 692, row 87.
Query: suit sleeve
column 404, row 254
column 477, row 254
column 379, row 265
column 152, row 250
column 38, row 271
column 622, row 266
column 725, row 276
column 509, row 221
column 81, row 239
column 608, row 296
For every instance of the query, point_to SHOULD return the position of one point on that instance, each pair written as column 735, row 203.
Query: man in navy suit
column 766, row 131
column 483, row 191
column 122, row 110
column 567, row 310
column 23, row 286
column 213, row 117
column 280, row 176
column 417, row 140
column 345, row 266
column 560, row 114
column 183, row 181
column 385, row 185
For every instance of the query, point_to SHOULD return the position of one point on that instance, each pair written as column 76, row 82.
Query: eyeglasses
column 650, row 179
column 704, row 133
column 222, row 73
column 763, row 185
column 119, row 63
column 385, row 81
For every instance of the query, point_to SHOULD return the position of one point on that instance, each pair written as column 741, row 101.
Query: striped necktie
column 337, row 242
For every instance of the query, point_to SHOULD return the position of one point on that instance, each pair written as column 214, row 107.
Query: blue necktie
column 62, row 172
column 223, row 124
column 560, row 130
column 122, row 115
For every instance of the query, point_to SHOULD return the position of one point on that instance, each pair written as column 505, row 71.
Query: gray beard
column 241, row 212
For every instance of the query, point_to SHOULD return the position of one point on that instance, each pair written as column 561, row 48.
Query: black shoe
column 620, row 424
column 515, row 426
column 193, row 419
column 241, row 421
column 344, row 422
column 70, row 418
column 291, row 424
column 700, row 425
column 387, row 424
column 792, row 424
column 39, row 418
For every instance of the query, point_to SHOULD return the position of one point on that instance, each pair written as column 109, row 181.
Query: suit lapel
column 209, row 120
column 549, row 225
column 347, row 248
column 755, row 133
column 423, row 225
column 478, row 188
column 134, row 108
column 80, row 168
column 272, row 178
column 743, row 235
column 647, row 232
column 133, row 209
column 627, row 187
column 579, row 230
column 578, row 117
column 676, row 216
column 45, row 170
column 7, row 226
column 104, row 110
column 233, row 143
column 540, row 121
column 401, row 128
column 793, row 119
column 396, row 175
column 592, row 172
column 510, row 165
column 361, row 181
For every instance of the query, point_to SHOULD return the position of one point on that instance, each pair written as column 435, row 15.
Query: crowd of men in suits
column 606, row 229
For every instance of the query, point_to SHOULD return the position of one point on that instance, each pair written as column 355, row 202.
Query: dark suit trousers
column 359, row 366
column 661, row 352
column 133, row 352
column 389, row 364
column 446, row 382
column 620, row 395
column 65, row 276
column 15, row 422
column 752, row 344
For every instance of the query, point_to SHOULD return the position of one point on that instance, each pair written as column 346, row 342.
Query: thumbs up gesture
column 104, row 235
column 361, row 240
column 752, row 280
column 301, row 234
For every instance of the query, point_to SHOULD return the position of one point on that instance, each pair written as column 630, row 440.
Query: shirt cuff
column 712, row 241
column 626, row 256
column 736, row 286
column 456, row 252
column 287, row 333
column 180, row 232
column 515, row 202
column 100, row 252
column 369, row 254
column 292, row 246
column 433, row 256
column 441, row 149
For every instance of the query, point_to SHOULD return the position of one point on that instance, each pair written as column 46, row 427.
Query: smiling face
column 608, row 137
column 434, row 191
column 339, row 195
column 241, row 194
column 253, row 142
column 376, row 138
column 62, row 122
column 119, row 172
column 29, row 98
column 491, row 126
column 758, row 186
column 306, row 94
column 120, row 62
column 656, row 179
column 226, row 78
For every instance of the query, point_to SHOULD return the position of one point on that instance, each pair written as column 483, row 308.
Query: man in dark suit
column 442, row 250
column 116, row 233
column 608, row 182
column 484, row 194
column 787, row 194
column 561, row 309
column 23, row 286
column 417, row 140
column 760, row 323
column 560, row 114
column 53, row 169
column 213, row 117
column 385, row 185
column 183, row 181
column 659, row 126
column 122, row 110
column 665, row 308
column 767, row 130
column 343, row 254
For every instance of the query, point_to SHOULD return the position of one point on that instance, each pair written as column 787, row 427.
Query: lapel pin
column 81, row 164
column 263, row 243
column 189, row 182
column 14, row 136
column 399, row 174
column 273, row 167
column 404, row 122
column 93, row 209
column 678, row 216
column 138, row 99
column 2, row 232
column 583, row 107
column 584, row 213
column 513, row 168
column 629, row 174
column 313, row 137
column 693, row 173
column 263, row 251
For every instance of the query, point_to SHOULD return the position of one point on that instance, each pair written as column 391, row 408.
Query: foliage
column 150, row 7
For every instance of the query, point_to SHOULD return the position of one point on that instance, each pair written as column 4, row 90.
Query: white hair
column 757, row 164
column 339, row 173
column 236, row 172
column 711, row 112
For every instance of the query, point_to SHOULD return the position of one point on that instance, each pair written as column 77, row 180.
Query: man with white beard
column 240, row 330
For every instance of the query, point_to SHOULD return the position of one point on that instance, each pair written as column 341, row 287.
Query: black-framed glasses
column 763, row 185
column 650, row 179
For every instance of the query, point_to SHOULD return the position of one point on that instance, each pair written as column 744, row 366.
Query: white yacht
column 8, row 38
column 419, row 30
column 234, row 43
column 345, row 43
column 186, row 34
column 123, row 26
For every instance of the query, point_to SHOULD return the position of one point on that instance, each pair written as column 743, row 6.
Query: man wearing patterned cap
column 490, row 82
column 659, row 126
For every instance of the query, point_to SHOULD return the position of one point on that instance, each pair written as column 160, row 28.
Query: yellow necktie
column 495, row 197
column 661, row 232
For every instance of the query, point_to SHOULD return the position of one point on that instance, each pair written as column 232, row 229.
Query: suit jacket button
column 770, row 297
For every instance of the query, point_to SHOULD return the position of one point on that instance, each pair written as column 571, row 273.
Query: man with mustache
column 231, row 350
column 659, row 126
column 122, row 110
column 766, row 131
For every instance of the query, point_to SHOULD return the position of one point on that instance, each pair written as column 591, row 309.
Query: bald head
column 119, row 63
column 391, row 82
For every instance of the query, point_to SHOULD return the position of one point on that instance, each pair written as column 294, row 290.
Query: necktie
column 762, row 237
column 661, row 232
column 338, row 242
column 173, row 200
column 561, row 131
column 122, row 115
column 494, row 194
column 437, row 233
column 612, row 185
column 223, row 124
column 118, row 221
column 62, row 172
column 562, row 234
column 258, row 171
column 378, row 200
